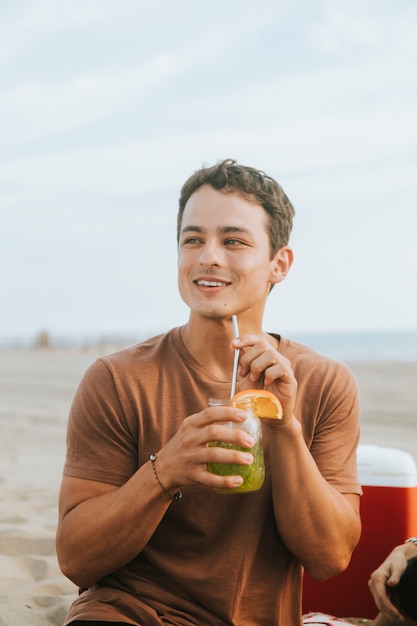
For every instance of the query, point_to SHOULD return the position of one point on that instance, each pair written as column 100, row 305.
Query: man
column 389, row 576
column 140, row 426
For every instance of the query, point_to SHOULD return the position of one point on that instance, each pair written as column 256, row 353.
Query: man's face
column 223, row 255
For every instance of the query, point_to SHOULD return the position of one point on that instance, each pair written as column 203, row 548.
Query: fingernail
column 249, row 458
column 250, row 441
column 238, row 481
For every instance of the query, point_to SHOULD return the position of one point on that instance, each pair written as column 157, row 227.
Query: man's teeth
column 209, row 283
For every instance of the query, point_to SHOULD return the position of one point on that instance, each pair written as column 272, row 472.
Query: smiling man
column 224, row 256
column 142, row 530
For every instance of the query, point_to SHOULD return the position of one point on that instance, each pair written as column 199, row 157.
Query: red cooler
column 389, row 516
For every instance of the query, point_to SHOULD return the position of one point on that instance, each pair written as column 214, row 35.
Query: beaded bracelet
column 177, row 495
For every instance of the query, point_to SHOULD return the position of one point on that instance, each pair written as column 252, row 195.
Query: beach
column 36, row 390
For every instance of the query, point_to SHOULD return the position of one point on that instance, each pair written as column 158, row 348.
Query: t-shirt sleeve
column 337, row 427
column 100, row 444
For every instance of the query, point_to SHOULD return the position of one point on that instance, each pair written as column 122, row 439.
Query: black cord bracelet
column 174, row 496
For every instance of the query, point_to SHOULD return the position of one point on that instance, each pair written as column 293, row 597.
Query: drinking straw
column 236, row 357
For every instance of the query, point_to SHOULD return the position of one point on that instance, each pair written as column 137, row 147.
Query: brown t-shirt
column 214, row 560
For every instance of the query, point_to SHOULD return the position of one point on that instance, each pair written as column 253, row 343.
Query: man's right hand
column 183, row 459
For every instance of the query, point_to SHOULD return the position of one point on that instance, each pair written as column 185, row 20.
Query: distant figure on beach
column 394, row 586
column 42, row 340
column 143, row 531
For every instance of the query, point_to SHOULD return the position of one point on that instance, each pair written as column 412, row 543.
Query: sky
column 107, row 107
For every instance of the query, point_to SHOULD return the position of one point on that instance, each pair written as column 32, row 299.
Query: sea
column 345, row 346
column 363, row 346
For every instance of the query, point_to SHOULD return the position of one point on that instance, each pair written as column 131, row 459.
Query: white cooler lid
column 389, row 467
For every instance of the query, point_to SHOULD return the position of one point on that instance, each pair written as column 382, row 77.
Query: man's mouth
column 211, row 283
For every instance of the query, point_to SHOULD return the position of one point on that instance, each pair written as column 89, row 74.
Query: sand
column 36, row 389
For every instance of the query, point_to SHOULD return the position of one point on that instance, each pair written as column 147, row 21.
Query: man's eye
column 233, row 242
column 191, row 240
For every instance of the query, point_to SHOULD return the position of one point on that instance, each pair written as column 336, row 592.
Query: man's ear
column 281, row 264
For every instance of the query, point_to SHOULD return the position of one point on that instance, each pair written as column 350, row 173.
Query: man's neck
column 209, row 344
column 208, row 341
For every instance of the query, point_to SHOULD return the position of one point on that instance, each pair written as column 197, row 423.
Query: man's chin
column 214, row 314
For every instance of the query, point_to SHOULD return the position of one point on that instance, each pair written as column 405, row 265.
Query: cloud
column 343, row 26
column 94, row 149
column 42, row 107
column 44, row 20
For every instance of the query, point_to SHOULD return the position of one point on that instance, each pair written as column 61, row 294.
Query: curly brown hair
column 253, row 185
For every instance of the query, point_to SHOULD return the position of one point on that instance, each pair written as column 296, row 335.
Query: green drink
column 253, row 475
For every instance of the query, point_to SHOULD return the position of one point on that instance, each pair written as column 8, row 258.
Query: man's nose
column 210, row 255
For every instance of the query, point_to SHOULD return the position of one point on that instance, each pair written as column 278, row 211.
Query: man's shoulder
column 144, row 355
column 149, row 346
column 294, row 350
column 303, row 358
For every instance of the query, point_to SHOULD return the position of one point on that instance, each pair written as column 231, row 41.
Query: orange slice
column 267, row 405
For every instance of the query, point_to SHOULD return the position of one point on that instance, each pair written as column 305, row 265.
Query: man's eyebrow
column 235, row 229
column 221, row 229
column 191, row 228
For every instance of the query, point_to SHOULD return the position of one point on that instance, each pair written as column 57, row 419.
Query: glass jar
column 253, row 475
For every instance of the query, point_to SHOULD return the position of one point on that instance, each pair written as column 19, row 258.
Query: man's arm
column 102, row 527
column 318, row 524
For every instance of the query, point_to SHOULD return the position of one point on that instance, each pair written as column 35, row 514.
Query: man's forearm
column 109, row 526
column 319, row 525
